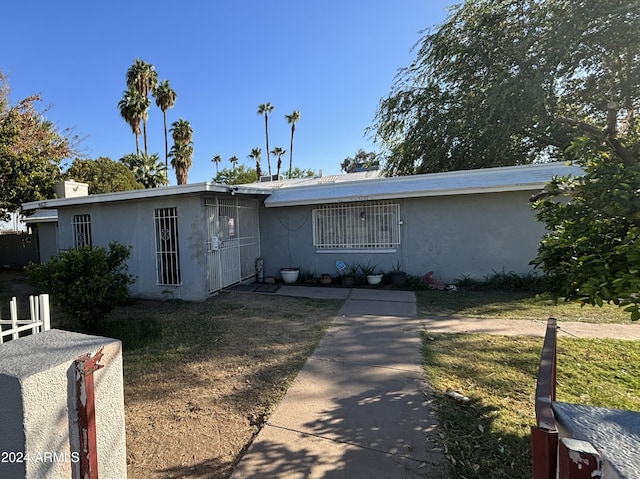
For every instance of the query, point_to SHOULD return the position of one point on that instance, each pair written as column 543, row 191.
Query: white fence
column 40, row 318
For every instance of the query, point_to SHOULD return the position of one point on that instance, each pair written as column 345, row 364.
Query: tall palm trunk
column 166, row 140
column 293, row 130
column 266, row 133
column 144, row 132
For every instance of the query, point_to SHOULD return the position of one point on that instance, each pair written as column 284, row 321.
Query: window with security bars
column 365, row 225
column 167, row 257
column 81, row 225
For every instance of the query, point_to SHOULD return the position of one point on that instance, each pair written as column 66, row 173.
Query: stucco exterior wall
column 47, row 241
column 472, row 235
column 132, row 223
column 38, row 418
column 451, row 235
column 286, row 235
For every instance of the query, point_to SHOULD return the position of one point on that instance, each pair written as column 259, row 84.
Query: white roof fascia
column 486, row 180
column 143, row 194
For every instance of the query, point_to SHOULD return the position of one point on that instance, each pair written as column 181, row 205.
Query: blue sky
column 332, row 60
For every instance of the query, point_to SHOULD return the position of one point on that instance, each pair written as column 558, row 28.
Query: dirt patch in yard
column 201, row 378
column 196, row 397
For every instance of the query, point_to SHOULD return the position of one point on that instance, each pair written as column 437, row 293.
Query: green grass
column 511, row 305
column 490, row 435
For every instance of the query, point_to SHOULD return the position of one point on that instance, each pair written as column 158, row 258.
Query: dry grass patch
column 197, row 394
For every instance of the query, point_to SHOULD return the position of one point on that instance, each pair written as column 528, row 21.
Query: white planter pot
column 374, row 278
column 289, row 275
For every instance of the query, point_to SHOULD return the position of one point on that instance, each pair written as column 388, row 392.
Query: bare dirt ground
column 202, row 382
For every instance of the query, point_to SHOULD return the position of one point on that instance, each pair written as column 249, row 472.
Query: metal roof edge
column 269, row 203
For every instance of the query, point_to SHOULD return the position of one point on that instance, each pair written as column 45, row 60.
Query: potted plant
column 289, row 275
column 349, row 276
column 373, row 274
column 397, row 276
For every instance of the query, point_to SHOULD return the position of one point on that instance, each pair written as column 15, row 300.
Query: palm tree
column 265, row 109
column 132, row 108
column 277, row 151
column 181, row 155
column 182, row 150
column 165, row 99
column 148, row 169
column 292, row 120
column 256, row 155
column 181, row 131
column 216, row 159
column 143, row 77
column 234, row 161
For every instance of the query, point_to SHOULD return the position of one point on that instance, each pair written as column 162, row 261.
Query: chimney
column 71, row 189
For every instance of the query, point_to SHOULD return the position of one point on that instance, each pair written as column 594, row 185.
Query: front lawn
column 493, row 304
column 489, row 436
column 200, row 378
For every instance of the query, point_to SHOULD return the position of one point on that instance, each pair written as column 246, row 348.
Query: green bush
column 506, row 281
column 87, row 282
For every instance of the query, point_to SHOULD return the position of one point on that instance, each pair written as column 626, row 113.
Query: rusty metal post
column 544, row 444
column 85, row 366
column 544, row 435
column 578, row 460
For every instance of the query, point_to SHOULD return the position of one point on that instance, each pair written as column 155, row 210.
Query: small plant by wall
column 506, row 281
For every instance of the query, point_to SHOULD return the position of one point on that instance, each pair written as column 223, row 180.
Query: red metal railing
column 544, row 435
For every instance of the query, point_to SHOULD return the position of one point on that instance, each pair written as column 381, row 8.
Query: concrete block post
column 39, row 431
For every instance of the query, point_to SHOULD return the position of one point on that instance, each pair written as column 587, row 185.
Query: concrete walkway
column 359, row 407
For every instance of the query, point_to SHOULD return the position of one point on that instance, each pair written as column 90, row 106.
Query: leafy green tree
column 300, row 173
column 292, row 119
column 165, row 98
column 591, row 251
column 236, row 176
column 103, row 175
column 278, row 153
column 31, row 151
column 181, row 153
column 505, row 83
column 265, row 109
column 143, row 78
column 86, row 282
column 148, row 170
column 362, row 161
column 256, row 155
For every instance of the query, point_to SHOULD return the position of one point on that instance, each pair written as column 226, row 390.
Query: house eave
column 465, row 182
column 271, row 203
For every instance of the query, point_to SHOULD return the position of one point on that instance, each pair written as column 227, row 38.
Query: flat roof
column 485, row 180
column 144, row 194
column 363, row 186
